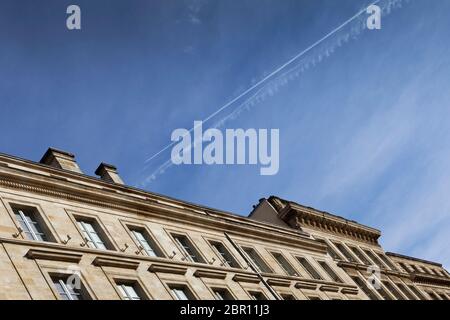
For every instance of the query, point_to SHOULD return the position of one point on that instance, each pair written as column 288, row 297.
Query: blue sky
column 364, row 133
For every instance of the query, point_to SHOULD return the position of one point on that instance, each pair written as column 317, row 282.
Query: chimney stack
column 108, row 173
column 61, row 160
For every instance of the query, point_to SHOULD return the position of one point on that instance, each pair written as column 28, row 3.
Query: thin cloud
column 194, row 9
column 307, row 59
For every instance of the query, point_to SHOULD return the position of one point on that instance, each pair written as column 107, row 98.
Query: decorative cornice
column 401, row 256
column 163, row 268
column 117, row 263
column 115, row 199
column 210, row 274
column 306, row 285
column 246, row 278
column 279, row 282
column 350, row 291
column 298, row 218
column 363, row 267
column 44, row 254
column 327, row 288
column 429, row 279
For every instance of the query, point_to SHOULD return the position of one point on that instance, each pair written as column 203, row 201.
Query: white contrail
column 283, row 78
column 269, row 76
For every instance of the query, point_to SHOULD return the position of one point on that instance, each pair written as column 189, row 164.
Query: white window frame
column 125, row 292
column 66, row 290
column 150, row 251
column 87, row 235
column 30, row 230
column 176, row 292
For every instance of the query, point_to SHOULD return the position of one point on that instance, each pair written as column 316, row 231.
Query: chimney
column 108, row 173
column 61, row 160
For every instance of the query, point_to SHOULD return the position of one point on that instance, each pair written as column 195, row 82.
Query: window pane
column 188, row 248
column 222, row 294
column 284, row 264
column 387, row 261
column 405, row 291
column 257, row 260
column 361, row 256
column 417, row 292
column 128, row 291
column 30, row 225
column 345, row 252
column 375, row 259
column 66, row 290
column 393, row 290
column 180, row 294
column 363, row 286
column 144, row 243
column 309, row 268
column 89, row 232
column 286, row 296
column 225, row 255
column 330, row 271
column 257, row 295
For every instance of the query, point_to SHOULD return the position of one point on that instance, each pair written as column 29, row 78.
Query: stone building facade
column 67, row 235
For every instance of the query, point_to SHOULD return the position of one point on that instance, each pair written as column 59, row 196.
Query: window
column 405, row 291
column 90, row 234
column 443, row 296
column 129, row 291
column 430, row 271
column 222, row 294
column 361, row 256
column 417, row 292
column 224, row 254
column 181, row 292
column 330, row 272
column 363, row 286
column 439, row 272
column 330, row 250
column 345, row 252
column 418, row 268
column 313, row 298
column 147, row 244
column 433, row 296
column 257, row 295
column 284, row 264
column 287, row 296
column 188, row 248
column 384, row 294
column 69, row 288
column 375, row 259
column 29, row 223
column 309, row 268
column 387, row 261
column 404, row 266
column 333, row 253
column 257, row 260
column 392, row 290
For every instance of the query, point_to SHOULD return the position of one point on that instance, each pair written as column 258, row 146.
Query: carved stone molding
column 246, row 278
column 306, row 285
column 353, row 291
column 327, row 288
column 116, row 263
column 164, row 268
column 43, row 254
column 210, row 274
column 279, row 282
